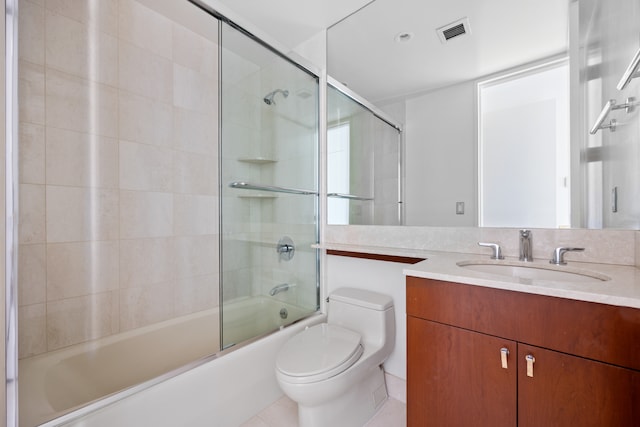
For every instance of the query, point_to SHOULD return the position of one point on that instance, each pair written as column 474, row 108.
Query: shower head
column 268, row 98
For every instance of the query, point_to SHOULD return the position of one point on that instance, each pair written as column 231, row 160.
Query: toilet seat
column 318, row 353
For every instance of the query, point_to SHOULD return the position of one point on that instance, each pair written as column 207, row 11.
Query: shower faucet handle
column 285, row 248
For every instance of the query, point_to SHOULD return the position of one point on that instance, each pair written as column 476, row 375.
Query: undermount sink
column 533, row 271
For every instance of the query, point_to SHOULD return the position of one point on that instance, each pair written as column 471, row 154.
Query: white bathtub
column 52, row 384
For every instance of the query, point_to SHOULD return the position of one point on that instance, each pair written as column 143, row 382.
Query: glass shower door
column 269, row 189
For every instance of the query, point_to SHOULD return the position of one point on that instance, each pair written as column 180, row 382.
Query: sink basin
column 533, row 271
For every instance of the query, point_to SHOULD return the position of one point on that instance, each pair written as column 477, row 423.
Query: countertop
column 622, row 288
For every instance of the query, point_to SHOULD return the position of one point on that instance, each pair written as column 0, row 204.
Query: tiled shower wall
column 118, row 167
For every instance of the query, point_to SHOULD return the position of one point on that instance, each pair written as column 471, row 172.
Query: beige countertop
column 622, row 287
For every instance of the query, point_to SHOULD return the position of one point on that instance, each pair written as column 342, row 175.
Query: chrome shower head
column 268, row 98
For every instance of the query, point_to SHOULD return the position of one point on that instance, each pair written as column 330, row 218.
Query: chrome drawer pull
column 530, row 361
column 504, row 352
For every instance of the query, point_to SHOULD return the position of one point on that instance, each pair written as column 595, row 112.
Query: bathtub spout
column 280, row 288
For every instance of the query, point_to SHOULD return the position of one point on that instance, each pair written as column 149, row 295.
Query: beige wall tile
column 195, row 174
column 142, row 306
column 196, row 256
column 32, row 338
column 76, row 269
column 80, row 214
column 31, row 32
column 32, row 154
column 145, row 167
column 31, row 93
column 75, row 320
column 80, row 49
column 194, row 91
column 195, row 294
column 143, row 120
column 146, row 261
column 145, row 214
column 145, row 73
column 80, row 105
column 102, row 15
column 195, row 215
column 32, row 274
column 195, row 132
column 81, row 159
column 32, row 214
column 145, row 28
column 193, row 51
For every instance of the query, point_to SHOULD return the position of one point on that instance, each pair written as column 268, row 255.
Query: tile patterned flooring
column 284, row 412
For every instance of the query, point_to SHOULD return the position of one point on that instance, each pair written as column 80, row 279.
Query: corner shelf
column 257, row 196
column 257, row 160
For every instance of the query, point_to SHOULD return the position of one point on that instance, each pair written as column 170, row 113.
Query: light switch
column 459, row 208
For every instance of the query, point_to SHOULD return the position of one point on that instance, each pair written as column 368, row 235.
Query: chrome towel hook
column 631, row 72
column 611, row 105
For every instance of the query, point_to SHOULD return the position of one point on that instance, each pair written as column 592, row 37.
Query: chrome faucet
column 557, row 257
column 497, row 252
column 526, row 248
column 279, row 288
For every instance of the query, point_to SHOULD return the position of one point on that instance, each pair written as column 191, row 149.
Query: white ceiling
column 289, row 22
column 363, row 54
column 504, row 34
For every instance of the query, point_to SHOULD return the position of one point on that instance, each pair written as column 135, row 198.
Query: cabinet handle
column 530, row 361
column 504, row 352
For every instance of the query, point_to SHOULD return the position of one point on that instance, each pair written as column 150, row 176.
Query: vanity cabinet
column 467, row 351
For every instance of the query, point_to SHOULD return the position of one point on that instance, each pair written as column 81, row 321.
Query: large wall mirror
column 496, row 99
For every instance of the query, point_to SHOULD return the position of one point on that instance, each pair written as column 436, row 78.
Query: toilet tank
column 369, row 313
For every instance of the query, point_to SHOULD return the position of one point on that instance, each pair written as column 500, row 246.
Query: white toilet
column 334, row 370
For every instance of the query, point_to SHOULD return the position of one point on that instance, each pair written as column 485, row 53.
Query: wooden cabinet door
column 455, row 377
column 567, row 390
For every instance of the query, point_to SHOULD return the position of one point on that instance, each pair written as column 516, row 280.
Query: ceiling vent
column 454, row 30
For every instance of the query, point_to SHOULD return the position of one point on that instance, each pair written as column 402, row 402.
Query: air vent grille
column 450, row 33
column 453, row 30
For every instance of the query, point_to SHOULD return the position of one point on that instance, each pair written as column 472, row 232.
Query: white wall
column 378, row 276
column 440, row 147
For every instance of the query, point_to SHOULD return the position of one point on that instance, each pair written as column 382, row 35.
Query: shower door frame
column 308, row 69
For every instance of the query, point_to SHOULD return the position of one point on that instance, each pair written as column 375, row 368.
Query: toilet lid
column 319, row 352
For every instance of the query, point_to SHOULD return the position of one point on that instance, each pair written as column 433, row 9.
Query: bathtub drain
column 284, row 313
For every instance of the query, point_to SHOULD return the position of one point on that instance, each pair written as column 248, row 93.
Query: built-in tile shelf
column 257, row 196
column 257, row 160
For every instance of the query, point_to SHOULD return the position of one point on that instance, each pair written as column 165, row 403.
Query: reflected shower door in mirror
column 364, row 179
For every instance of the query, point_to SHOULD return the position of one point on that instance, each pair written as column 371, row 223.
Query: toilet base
column 351, row 409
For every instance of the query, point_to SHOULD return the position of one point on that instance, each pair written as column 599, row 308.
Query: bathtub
column 57, row 382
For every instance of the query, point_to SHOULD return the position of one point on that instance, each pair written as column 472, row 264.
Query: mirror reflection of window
column 524, row 133
column 338, row 146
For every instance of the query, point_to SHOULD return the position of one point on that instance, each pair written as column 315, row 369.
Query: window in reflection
column 524, row 170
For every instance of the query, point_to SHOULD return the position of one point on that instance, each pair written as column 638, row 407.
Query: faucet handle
column 497, row 252
column 557, row 257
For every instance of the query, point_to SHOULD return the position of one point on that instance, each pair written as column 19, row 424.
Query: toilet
column 334, row 370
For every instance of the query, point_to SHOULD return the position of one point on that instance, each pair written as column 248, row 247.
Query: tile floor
column 284, row 412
